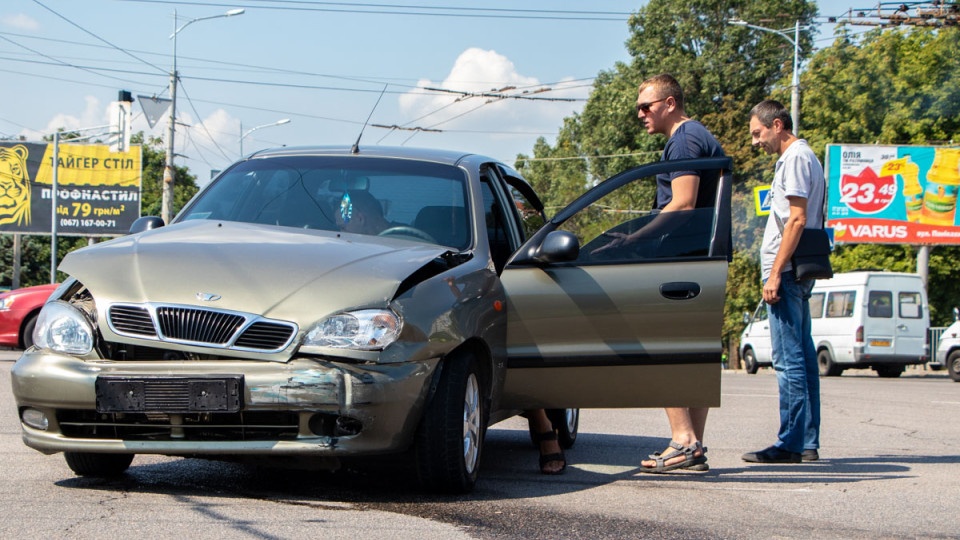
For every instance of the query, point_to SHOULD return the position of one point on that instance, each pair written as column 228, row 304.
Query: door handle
column 680, row 290
column 902, row 327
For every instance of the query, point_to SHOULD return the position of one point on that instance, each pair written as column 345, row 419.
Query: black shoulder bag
column 811, row 259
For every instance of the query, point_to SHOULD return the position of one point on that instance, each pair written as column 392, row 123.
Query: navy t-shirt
column 690, row 140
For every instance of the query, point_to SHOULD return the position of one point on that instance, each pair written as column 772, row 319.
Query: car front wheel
column 750, row 362
column 953, row 366
column 26, row 337
column 99, row 465
column 450, row 436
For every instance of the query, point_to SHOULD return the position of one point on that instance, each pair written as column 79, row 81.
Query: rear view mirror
column 146, row 223
column 956, row 314
column 558, row 246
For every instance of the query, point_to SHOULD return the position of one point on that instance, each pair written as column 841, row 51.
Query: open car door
column 610, row 305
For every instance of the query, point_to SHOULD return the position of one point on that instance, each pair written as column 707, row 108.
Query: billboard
column 98, row 191
column 893, row 194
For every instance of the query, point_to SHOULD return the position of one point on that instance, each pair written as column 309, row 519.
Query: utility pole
column 166, row 201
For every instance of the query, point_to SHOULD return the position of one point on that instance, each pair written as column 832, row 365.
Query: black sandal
column 547, row 458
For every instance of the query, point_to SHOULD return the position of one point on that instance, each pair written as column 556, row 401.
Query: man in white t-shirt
column 797, row 196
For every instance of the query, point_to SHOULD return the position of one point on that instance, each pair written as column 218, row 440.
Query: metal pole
column 53, row 206
column 923, row 263
column 795, row 92
column 17, row 255
column 166, row 202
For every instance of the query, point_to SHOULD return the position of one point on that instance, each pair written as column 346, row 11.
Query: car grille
column 239, row 426
column 203, row 327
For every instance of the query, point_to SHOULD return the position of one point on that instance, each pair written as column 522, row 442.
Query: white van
column 875, row 320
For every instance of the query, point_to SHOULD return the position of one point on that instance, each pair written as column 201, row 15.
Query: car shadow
column 509, row 470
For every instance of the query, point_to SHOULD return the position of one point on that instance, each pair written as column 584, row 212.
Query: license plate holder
column 215, row 393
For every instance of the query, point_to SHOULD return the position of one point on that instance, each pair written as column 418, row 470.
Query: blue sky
column 320, row 64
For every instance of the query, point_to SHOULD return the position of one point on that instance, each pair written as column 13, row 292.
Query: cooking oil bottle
column 943, row 181
column 912, row 191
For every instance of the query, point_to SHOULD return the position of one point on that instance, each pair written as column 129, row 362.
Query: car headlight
column 63, row 328
column 6, row 303
column 365, row 330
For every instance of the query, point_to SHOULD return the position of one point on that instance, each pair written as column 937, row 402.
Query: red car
column 18, row 314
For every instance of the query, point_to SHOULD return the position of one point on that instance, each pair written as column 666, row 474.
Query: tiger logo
column 14, row 186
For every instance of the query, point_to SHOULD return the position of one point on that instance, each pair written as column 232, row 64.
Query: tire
column 828, row 368
column 889, row 372
column 98, row 465
column 566, row 422
column 750, row 362
column 450, row 436
column 26, row 336
column 953, row 366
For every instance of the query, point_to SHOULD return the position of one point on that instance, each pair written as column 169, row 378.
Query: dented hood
column 276, row 272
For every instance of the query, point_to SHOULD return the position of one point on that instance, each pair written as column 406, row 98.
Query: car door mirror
column 146, row 223
column 746, row 317
column 558, row 246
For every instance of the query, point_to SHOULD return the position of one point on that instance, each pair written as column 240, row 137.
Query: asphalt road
column 889, row 469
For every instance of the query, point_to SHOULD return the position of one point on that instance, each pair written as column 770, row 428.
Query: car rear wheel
column 889, row 372
column 566, row 422
column 26, row 336
column 953, row 365
column 750, row 362
column 828, row 368
column 101, row 465
column 450, row 436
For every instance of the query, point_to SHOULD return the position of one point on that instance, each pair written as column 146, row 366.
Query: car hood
column 275, row 272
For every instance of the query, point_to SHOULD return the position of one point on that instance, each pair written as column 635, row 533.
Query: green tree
column 893, row 86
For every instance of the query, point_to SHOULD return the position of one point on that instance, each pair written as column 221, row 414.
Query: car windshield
column 414, row 200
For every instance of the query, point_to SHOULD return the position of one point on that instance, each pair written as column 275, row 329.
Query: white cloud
column 93, row 115
column 479, row 70
column 20, row 22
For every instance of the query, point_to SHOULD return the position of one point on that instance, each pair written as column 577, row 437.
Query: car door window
column 910, row 305
column 622, row 228
column 816, row 305
column 880, row 304
column 840, row 304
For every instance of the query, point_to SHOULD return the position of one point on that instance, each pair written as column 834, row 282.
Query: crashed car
column 325, row 303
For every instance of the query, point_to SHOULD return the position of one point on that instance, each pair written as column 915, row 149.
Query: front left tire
column 450, row 436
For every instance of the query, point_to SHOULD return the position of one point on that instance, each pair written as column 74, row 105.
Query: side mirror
column 956, row 314
column 146, row 223
column 558, row 246
column 746, row 317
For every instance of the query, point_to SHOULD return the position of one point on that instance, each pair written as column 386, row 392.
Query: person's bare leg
column 539, row 423
column 685, row 425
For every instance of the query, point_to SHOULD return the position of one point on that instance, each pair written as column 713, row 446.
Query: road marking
column 596, row 468
column 752, row 395
column 946, row 402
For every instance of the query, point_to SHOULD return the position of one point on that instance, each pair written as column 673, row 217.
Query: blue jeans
column 795, row 361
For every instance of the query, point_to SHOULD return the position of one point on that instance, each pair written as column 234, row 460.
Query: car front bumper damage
column 306, row 406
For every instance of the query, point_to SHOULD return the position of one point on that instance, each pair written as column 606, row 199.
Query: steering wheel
column 406, row 230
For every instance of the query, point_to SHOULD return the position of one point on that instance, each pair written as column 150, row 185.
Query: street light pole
column 795, row 90
column 243, row 134
column 166, row 201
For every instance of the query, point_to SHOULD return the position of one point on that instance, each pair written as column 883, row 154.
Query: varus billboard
column 893, row 194
column 98, row 191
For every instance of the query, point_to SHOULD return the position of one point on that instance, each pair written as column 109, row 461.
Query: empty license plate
column 169, row 394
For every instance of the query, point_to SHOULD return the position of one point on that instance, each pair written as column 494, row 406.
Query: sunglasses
column 645, row 107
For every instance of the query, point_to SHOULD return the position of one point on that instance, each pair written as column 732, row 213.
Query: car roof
column 424, row 154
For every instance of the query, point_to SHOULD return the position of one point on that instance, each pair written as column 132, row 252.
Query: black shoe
column 810, row 454
column 772, row 455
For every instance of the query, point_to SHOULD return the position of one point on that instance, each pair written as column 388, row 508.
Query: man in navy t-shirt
column 660, row 107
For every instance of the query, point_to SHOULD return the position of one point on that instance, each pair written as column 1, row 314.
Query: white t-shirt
column 798, row 174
